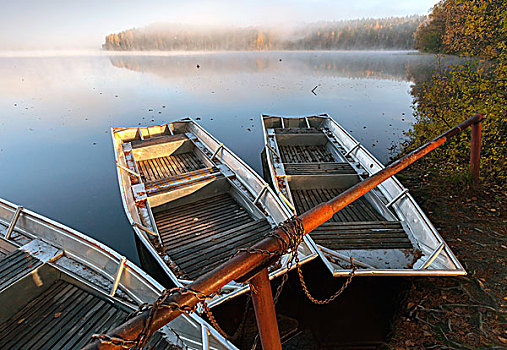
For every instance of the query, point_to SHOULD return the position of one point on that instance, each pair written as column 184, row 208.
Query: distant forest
column 383, row 33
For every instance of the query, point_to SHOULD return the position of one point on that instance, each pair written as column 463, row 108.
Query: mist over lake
column 57, row 111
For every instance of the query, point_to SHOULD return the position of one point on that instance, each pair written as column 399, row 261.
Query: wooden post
column 265, row 314
column 475, row 152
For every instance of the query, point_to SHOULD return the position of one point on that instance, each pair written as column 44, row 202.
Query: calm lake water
column 56, row 154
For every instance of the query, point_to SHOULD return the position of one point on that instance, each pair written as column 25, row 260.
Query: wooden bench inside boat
column 200, row 235
column 64, row 316
column 329, row 168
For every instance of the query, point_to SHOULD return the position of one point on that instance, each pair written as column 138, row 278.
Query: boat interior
column 59, row 287
column 201, row 203
column 310, row 165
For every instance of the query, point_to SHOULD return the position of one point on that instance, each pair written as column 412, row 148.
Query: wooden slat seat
column 191, row 174
column 158, row 140
column 64, row 316
column 173, row 185
column 362, row 235
column 305, row 154
column 201, row 235
column 16, row 265
column 283, row 131
column 359, row 210
column 165, row 167
column 331, row 168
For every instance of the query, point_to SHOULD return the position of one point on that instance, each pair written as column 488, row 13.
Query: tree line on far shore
column 383, row 33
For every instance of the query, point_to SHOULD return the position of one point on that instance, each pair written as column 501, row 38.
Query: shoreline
column 461, row 312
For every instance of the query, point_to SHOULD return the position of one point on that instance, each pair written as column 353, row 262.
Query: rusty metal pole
column 265, row 314
column 243, row 263
column 475, row 152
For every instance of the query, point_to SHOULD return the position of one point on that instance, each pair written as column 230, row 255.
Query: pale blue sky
column 54, row 24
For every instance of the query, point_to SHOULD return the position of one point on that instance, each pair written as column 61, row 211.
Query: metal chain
column 332, row 297
column 295, row 231
column 243, row 319
column 213, row 321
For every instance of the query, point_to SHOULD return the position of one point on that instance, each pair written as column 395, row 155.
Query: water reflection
column 55, row 114
column 400, row 66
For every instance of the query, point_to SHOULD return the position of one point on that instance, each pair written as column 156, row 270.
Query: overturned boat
column 59, row 287
column 310, row 160
column 193, row 203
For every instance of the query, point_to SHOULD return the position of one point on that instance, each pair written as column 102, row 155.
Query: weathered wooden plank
column 93, row 312
column 63, row 317
column 362, row 235
column 171, row 239
column 39, row 319
column 158, row 140
column 66, row 317
column 168, row 166
column 219, row 239
column 196, row 220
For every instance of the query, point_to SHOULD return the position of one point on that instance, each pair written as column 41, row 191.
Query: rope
column 295, row 231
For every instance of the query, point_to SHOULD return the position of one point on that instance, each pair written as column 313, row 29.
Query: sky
column 83, row 24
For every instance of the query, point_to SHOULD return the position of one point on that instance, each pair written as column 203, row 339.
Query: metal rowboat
column 193, row 203
column 312, row 159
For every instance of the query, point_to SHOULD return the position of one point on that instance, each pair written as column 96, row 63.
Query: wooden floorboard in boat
column 359, row 210
column 16, row 265
column 305, row 154
column 329, row 168
column 165, row 167
column 177, row 178
column 157, row 140
column 64, row 317
column 357, row 226
column 201, row 235
column 362, row 235
column 5, row 246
